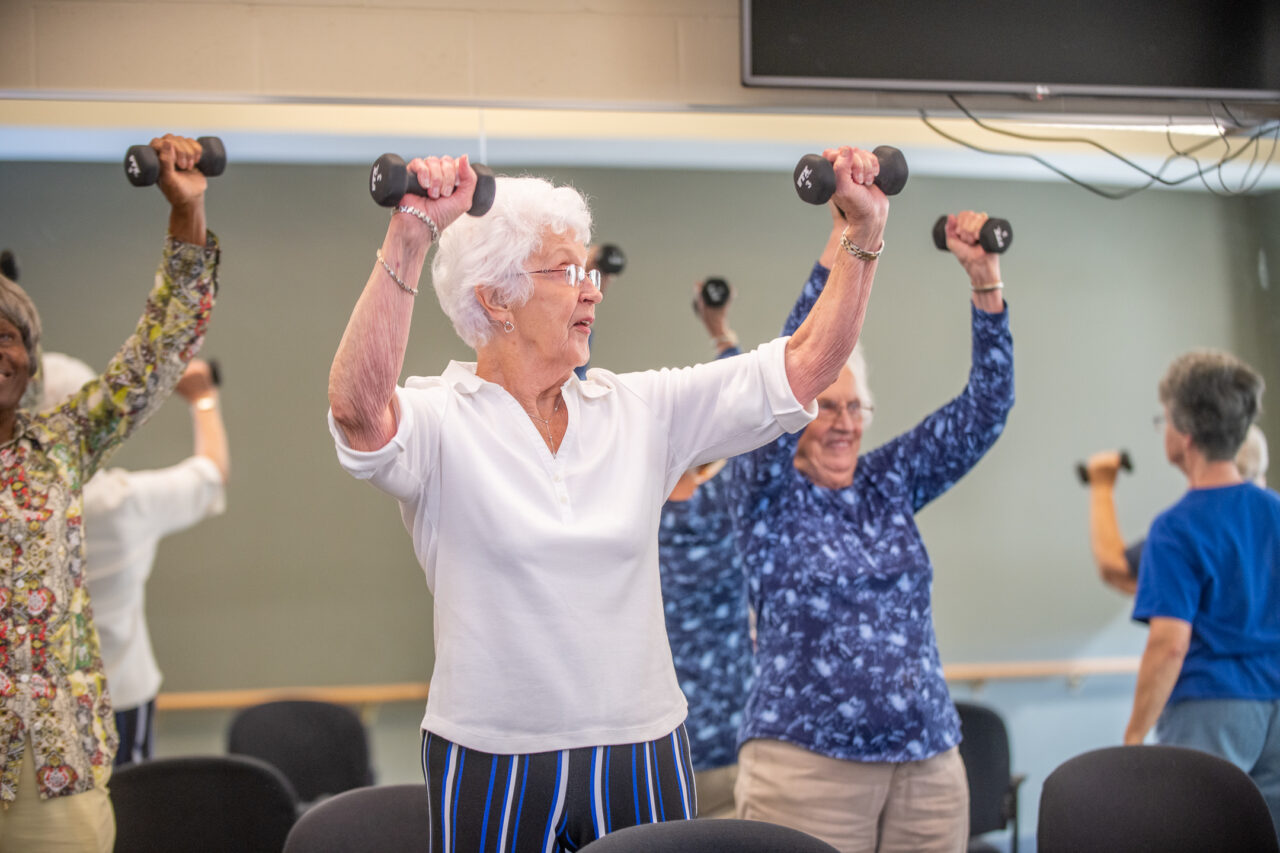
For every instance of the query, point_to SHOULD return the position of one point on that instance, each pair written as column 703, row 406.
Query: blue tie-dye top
column 847, row 662
column 705, row 600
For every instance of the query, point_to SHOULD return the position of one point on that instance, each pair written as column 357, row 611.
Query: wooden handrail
column 350, row 694
column 414, row 691
column 1026, row 669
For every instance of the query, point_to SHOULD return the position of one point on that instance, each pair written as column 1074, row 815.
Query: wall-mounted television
column 1219, row 49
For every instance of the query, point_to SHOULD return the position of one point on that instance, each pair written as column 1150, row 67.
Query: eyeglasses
column 573, row 274
column 831, row 410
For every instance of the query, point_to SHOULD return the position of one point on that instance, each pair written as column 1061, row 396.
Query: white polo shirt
column 126, row 514
column 549, row 629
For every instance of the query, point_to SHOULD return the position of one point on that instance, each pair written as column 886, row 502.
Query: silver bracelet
column 412, row 291
column 435, row 232
column 987, row 288
column 856, row 250
column 726, row 340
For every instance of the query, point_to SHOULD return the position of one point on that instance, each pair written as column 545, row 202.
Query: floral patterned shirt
column 52, row 686
column 846, row 658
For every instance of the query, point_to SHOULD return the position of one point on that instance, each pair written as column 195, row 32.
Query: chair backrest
column 728, row 835
column 320, row 747
column 202, row 804
column 985, row 752
column 1167, row 798
column 385, row 819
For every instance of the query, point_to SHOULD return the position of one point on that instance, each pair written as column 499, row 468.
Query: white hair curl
column 490, row 251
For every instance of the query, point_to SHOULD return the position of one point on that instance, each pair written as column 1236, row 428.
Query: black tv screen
column 1132, row 48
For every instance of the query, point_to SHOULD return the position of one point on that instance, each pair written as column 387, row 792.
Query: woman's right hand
column 865, row 207
column 450, row 185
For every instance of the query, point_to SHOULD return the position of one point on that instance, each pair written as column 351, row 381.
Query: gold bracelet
column 206, row 403
column 987, row 288
column 856, row 250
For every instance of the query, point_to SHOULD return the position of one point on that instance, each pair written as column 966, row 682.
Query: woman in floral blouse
column 56, row 729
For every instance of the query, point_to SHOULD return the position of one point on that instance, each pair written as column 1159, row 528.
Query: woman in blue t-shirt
column 1209, row 584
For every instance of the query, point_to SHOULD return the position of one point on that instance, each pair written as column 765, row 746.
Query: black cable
column 1153, row 177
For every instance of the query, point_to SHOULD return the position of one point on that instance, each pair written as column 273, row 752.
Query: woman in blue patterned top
column 849, row 730
column 705, row 602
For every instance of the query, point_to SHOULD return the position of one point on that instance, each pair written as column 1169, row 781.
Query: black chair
column 202, row 804
column 321, row 748
column 993, row 789
column 1139, row 798
column 385, row 819
column 729, row 835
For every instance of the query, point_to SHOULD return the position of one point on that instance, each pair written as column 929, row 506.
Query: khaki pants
column 857, row 807
column 79, row 823
column 715, row 791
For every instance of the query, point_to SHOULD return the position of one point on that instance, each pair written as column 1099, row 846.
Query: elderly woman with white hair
column 1209, row 584
column 849, row 731
column 56, row 731
column 533, row 497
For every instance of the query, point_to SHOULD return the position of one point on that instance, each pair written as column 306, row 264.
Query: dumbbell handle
column 815, row 177
column 390, row 180
column 995, row 236
column 1083, row 472
column 142, row 162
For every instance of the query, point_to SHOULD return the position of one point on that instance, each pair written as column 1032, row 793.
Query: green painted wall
column 310, row 579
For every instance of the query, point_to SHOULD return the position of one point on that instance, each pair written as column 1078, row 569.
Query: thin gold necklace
column 546, row 422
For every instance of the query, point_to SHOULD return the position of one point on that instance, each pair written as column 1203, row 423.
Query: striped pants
column 548, row 802
column 137, row 728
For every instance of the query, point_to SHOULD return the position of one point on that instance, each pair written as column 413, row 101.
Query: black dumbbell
column 610, row 260
column 142, row 163
column 390, row 181
column 815, row 177
column 995, row 236
column 715, row 293
column 9, row 265
column 1125, row 462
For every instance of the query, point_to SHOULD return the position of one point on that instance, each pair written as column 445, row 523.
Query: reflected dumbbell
column 714, row 293
column 815, row 177
column 995, row 236
column 142, row 162
column 1083, row 472
column 610, row 259
column 390, row 180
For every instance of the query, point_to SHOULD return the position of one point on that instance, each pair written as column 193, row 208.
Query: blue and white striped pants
column 549, row 802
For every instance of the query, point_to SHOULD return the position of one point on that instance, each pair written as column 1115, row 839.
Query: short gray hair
column 1213, row 397
column 19, row 310
column 490, row 250
column 1251, row 459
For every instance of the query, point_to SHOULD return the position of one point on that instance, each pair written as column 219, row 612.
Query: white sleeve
column 725, row 407
column 177, row 497
column 402, row 465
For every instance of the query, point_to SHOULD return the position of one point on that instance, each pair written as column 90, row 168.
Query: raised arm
column 822, row 343
column 1104, row 528
column 210, row 433
column 363, row 377
column 145, row 370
